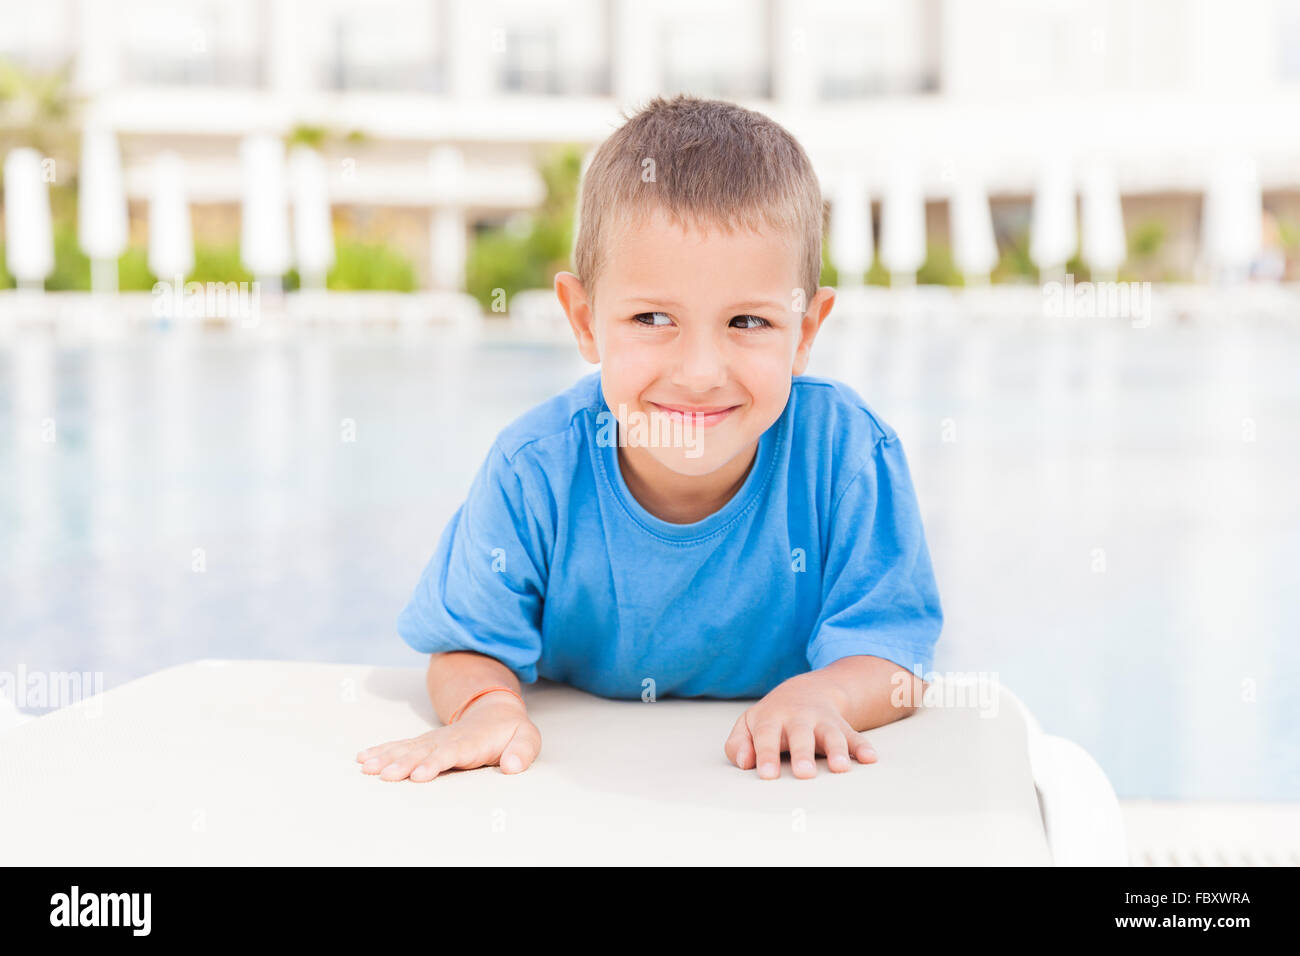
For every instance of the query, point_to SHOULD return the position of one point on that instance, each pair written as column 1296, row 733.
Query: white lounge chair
column 226, row 762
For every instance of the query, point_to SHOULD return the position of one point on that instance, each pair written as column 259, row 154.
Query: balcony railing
column 566, row 81
column 151, row 68
column 749, row 84
column 418, row 76
column 855, row 86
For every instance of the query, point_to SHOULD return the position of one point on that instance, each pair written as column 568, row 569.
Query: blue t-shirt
column 552, row 567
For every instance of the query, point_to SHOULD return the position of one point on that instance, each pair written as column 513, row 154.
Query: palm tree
column 37, row 110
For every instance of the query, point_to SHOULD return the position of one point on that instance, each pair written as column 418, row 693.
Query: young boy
column 698, row 518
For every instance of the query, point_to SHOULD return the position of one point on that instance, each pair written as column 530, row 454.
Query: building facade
column 1161, row 91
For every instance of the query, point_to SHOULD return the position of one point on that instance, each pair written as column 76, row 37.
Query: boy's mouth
column 700, row 417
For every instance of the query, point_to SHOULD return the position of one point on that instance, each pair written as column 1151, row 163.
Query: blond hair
column 702, row 163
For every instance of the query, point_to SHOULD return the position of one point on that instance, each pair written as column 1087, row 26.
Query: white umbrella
column 264, row 228
column 313, row 231
column 1053, row 225
column 974, row 246
column 101, row 207
column 1104, row 243
column 171, row 240
column 1230, row 236
column 850, row 231
column 902, row 224
column 29, row 231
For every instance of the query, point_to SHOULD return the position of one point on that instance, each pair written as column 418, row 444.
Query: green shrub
column 133, row 273
column 358, row 266
column 369, row 266
column 218, row 263
column 938, row 267
column 1014, row 264
column 1147, row 239
column 497, row 259
column 1079, row 269
column 71, row 267
column 830, row 275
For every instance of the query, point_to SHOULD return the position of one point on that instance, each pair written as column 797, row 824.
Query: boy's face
column 677, row 326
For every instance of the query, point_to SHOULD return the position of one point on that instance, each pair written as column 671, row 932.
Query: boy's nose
column 701, row 366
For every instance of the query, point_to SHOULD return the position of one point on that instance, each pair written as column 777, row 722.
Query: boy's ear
column 573, row 299
column 818, row 309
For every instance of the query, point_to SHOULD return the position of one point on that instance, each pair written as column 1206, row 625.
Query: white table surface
column 234, row 762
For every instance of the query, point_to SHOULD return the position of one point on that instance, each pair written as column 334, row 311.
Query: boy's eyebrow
column 749, row 304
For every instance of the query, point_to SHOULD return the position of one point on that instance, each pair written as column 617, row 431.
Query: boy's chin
column 688, row 467
column 692, row 463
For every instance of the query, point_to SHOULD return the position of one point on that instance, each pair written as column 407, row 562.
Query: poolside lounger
column 231, row 762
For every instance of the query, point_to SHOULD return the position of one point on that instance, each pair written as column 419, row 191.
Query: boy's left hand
column 800, row 717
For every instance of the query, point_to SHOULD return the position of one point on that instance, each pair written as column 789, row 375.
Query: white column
column 29, row 230
column 1053, row 225
column 101, row 206
column 447, row 236
column 636, row 59
column 264, row 223
column 313, row 226
column 794, row 55
column 289, row 67
column 902, row 224
column 473, row 50
column 171, row 238
column 1232, row 219
column 1104, row 244
column 974, row 244
column 449, row 248
column 97, row 54
column 850, row 233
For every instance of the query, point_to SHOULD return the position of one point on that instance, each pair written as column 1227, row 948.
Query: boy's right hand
column 495, row 729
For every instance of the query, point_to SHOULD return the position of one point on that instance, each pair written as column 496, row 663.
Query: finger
column 835, row 746
column 447, row 752
column 384, row 755
column 739, row 747
column 364, row 755
column 861, row 747
column 427, row 768
column 803, row 748
column 523, row 748
column 444, row 755
column 402, row 764
column 767, row 747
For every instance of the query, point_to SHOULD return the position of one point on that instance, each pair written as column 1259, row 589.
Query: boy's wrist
column 829, row 688
column 497, row 698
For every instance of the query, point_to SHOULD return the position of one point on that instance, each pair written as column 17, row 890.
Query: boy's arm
column 869, row 691
column 825, row 710
column 879, row 621
column 456, row 676
column 497, row 729
column 481, row 593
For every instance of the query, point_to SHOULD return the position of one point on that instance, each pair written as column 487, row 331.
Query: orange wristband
column 487, row 690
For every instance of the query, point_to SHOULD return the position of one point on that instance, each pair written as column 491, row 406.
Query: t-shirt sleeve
column 483, row 588
column 879, row 595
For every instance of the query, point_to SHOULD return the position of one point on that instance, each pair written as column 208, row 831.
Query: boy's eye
column 759, row 322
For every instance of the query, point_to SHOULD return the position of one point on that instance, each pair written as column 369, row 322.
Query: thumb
column 522, row 749
column 861, row 747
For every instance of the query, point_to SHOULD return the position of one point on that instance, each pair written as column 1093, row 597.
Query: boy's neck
column 678, row 498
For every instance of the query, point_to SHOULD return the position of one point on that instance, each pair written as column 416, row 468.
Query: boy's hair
column 704, row 163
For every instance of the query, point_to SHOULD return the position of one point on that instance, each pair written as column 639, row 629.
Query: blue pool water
column 1112, row 512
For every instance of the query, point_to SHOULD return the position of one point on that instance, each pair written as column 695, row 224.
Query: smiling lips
column 698, row 417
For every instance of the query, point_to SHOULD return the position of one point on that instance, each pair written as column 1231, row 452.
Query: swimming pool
column 1111, row 512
